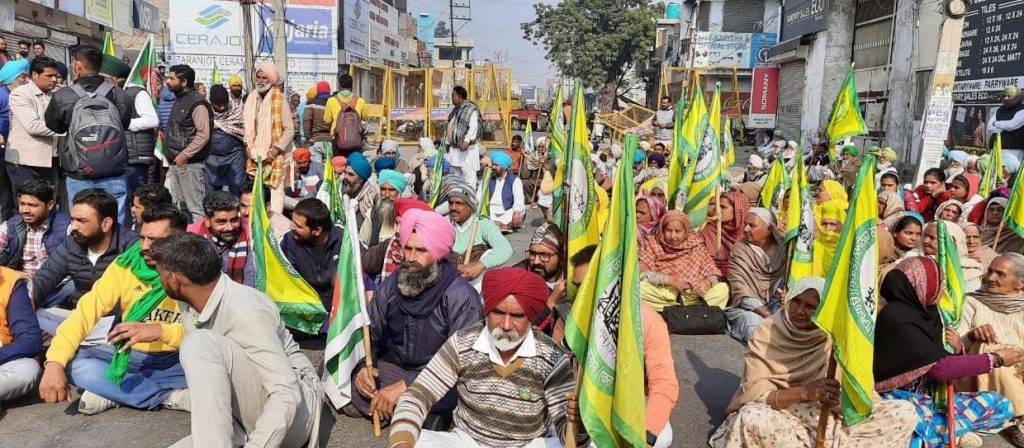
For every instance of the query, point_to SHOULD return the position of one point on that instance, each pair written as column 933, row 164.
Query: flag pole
column 718, row 218
column 570, row 426
column 472, row 238
column 369, row 365
column 950, row 415
column 819, row 438
column 999, row 231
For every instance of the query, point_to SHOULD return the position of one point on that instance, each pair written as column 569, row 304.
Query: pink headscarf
column 270, row 70
column 434, row 230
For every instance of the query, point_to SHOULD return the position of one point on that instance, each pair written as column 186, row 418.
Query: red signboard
column 764, row 97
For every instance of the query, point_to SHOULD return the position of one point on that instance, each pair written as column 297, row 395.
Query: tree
column 442, row 30
column 596, row 41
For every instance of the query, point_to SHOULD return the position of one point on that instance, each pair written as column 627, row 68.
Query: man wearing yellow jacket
column 141, row 368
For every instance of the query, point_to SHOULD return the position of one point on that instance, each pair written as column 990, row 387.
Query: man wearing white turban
column 269, row 131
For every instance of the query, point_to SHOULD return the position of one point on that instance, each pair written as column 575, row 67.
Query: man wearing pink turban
column 269, row 131
column 415, row 310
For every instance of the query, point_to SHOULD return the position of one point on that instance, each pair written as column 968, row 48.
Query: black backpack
column 96, row 146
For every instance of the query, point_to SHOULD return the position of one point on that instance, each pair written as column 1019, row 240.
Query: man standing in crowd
column 187, row 141
column 24, row 48
column 201, row 89
column 38, row 230
column 38, row 49
column 20, row 337
column 317, row 130
column 141, row 133
column 382, row 223
column 268, row 131
column 502, row 369
column 515, row 151
column 356, row 184
column 295, row 104
column 1009, row 120
column 463, row 134
column 237, row 93
column 224, row 227
column 5, row 57
column 30, row 146
column 226, row 165
column 248, row 380
column 664, row 122
column 312, row 247
column 345, row 99
column 153, row 376
column 12, row 75
column 146, row 197
column 59, row 119
column 425, row 301
column 508, row 203
column 96, row 240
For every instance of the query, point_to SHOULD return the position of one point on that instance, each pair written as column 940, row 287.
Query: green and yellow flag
column 483, row 195
column 215, row 78
column 329, row 192
column 704, row 175
column 845, row 119
column 691, row 134
column 728, row 146
column 557, row 145
column 604, row 329
column 848, row 309
column 437, row 171
column 800, row 225
column 1014, row 214
column 108, row 44
column 994, row 169
column 951, row 304
column 298, row 302
column 775, row 186
column 582, row 198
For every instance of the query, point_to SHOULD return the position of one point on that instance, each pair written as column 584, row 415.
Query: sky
column 496, row 28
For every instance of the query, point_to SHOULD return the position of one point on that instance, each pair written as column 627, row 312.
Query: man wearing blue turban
column 507, row 202
column 382, row 222
column 12, row 75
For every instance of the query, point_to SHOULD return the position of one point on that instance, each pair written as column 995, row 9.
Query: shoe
column 350, row 410
column 970, row 440
column 178, row 400
column 1016, row 435
column 92, row 404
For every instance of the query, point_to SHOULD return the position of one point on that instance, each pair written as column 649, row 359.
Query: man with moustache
column 153, row 376
column 237, row 93
column 187, row 140
column 312, row 247
column 27, row 239
column 357, row 183
column 223, row 226
column 383, row 222
column 413, row 313
column 489, row 249
column 545, row 257
column 267, row 121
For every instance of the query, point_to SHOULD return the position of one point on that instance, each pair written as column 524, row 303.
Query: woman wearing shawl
column 673, row 263
column 890, row 181
column 1009, row 241
column 829, row 190
column 951, row 210
column 975, row 249
column 906, row 234
column 829, row 224
column 735, row 206
column 784, row 387
column 964, row 188
column 971, row 268
column 931, row 193
column 911, row 361
column 889, row 204
column 656, row 166
column 757, row 265
column 649, row 211
column 656, row 188
column 886, row 251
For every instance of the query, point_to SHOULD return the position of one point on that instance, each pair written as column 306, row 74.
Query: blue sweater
column 21, row 319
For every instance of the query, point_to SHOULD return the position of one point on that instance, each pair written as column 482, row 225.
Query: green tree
column 442, row 30
column 597, row 41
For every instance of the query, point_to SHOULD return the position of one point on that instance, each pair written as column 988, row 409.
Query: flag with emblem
column 556, row 150
column 1014, row 214
column 583, row 229
column 604, row 330
column 774, row 186
column 528, row 144
column 994, row 168
column 849, row 306
column 800, row 225
column 951, row 303
column 845, row 120
column 329, row 192
column 704, row 175
column 687, row 129
column 345, row 335
column 300, row 306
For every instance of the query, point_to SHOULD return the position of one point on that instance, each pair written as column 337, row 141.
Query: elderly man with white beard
column 269, row 131
column 513, row 381
column 383, row 222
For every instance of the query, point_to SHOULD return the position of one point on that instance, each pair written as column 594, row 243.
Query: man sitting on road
column 489, row 249
column 357, row 183
column 312, row 247
column 544, row 258
column 305, row 180
column 20, row 337
column 224, row 227
column 147, row 196
column 383, row 222
column 414, row 312
column 508, row 203
column 382, row 260
column 27, row 239
column 250, row 382
column 153, row 375
column 512, row 380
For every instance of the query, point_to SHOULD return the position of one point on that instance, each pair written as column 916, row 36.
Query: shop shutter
column 743, row 16
column 791, row 97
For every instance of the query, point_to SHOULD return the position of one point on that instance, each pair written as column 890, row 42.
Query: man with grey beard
column 383, row 222
column 358, row 183
column 412, row 315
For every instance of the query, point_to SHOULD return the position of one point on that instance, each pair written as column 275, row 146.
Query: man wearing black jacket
column 187, row 140
column 312, row 247
column 88, row 61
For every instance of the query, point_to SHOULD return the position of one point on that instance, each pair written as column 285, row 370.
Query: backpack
column 349, row 127
column 96, row 146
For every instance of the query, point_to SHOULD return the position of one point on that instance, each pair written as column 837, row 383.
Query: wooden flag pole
column 950, row 415
column 999, row 231
column 819, row 438
column 369, row 365
column 718, row 219
column 570, row 426
column 472, row 238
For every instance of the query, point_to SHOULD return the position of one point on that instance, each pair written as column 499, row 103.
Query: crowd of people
column 128, row 268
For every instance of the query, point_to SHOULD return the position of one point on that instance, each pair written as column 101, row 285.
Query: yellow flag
column 584, row 229
column 704, row 175
column 692, row 135
column 108, row 44
column 845, row 119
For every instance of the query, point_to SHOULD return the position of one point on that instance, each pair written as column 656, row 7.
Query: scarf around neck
column 264, row 125
column 1006, row 303
column 132, row 260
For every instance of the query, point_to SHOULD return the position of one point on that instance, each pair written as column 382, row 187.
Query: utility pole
column 464, row 16
column 280, row 39
column 249, row 63
column 692, row 32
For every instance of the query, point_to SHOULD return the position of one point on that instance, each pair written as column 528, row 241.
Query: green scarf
column 132, row 259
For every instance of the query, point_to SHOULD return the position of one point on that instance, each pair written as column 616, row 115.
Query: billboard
column 800, row 17
column 355, row 27
column 764, row 98
column 742, row 50
column 991, row 56
column 385, row 46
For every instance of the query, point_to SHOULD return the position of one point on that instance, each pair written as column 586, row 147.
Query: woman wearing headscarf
column 649, row 211
column 931, row 193
column 906, row 234
column 975, row 250
column 970, row 267
column 829, row 224
column 655, row 188
column 733, row 214
column 1009, row 241
column 964, row 188
column 889, row 204
column 784, row 388
column 674, row 265
column 910, row 359
column 886, row 251
column 951, row 210
column 993, row 317
column 757, row 265
column 829, row 190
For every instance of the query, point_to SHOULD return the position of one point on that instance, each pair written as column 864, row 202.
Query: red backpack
column 349, row 126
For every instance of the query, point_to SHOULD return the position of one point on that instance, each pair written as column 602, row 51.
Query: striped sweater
column 498, row 406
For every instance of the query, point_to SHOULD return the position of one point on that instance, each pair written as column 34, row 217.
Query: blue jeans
column 134, row 177
column 115, row 185
column 741, row 320
column 150, row 377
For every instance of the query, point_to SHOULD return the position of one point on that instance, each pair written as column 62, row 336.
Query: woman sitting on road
column 970, row 267
column 784, row 387
column 906, row 235
column 649, row 211
column 734, row 208
column 674, row 264
column 757, row 266
column 975, row 250
column 911, row 360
